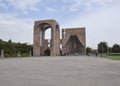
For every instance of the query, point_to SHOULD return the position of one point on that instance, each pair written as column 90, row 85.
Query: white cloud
column 75, row 5
column 25, row 5
column 101, row 25
column 51, row 9
column 55, row 10
column 19, row 30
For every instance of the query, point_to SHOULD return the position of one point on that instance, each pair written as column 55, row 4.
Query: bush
column 25, row 54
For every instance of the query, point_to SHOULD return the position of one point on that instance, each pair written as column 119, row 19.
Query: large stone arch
column 39, row 37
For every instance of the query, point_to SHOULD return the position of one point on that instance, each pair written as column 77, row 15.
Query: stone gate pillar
column 55, row 41
column 53, row 46
column 36, row 46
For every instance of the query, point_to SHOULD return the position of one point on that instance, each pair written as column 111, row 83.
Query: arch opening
column 47, row 41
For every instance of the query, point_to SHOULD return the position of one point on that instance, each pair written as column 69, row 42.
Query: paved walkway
column 59, row 71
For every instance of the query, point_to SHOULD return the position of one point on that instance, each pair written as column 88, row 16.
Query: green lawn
column 114, row 57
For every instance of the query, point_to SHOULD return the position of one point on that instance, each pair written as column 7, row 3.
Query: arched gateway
column 39, row 42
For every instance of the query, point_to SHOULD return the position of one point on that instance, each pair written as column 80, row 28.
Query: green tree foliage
column 11, row 49
column 102, row 47
column 116, row 48
column 109, row 49
column 88, row 50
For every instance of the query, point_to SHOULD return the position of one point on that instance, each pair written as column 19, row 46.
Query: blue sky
column 100, row 17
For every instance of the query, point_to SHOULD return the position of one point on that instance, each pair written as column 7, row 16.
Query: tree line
column 104, row 48
column 12, row 49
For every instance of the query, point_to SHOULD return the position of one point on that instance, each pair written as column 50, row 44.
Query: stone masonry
column 73, row 39
column 39, row 37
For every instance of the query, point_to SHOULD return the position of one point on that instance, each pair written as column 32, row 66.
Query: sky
column 101, row 18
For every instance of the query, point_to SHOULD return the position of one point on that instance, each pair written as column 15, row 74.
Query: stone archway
column 73, row 45
column 39, row 37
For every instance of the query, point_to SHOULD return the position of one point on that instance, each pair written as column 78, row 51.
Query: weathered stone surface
column 40, row 44
column 73, row 41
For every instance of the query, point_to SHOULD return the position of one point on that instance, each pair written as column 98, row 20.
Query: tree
column 2, row 44
column 102, row 47
column 88, row 50
column 11, row 49
column 116, row 48
column 9, row 41
column 110, row 49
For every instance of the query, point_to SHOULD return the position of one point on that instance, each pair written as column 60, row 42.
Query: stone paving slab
column 59, row 71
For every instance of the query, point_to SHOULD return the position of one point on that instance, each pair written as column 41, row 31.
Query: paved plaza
column 59, row 71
